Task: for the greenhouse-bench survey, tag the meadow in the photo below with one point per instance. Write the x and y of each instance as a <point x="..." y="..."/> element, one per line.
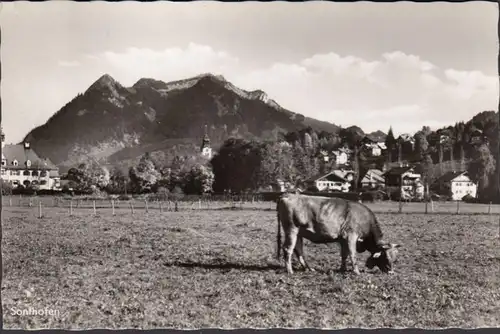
<point x="218" y="268"/>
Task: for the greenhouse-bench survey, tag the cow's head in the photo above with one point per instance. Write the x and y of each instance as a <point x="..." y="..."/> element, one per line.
<point x="384" y="258"/>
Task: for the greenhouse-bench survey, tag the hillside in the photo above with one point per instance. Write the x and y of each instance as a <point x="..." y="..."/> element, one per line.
<point x="113" y="123"/>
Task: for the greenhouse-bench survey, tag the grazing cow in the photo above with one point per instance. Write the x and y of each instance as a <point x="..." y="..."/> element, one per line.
<point x="329" y="220"/>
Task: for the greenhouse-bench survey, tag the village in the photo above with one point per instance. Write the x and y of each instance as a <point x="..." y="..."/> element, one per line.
<point x="21" y="166"/>
<point x="395" y="177"/>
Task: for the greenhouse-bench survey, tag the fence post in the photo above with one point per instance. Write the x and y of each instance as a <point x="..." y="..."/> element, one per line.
<point x="40" y="209"/>
<point x="489" y="208"/>
<point x="426" y="209"/>
<point x="400" y="206"/>
<point x="458" y="207"/>
<point x="199" y="204"/>
<point x="10" y="201"/>
<point x="30" y="203"/>
<point x="113" y="206"/>
<point x="146" y="203"/>
<point x="161" y="207"/>
<point x="71" y="207"/>
<point x="176" y="206"/>
<point x="93" y="204"/>
<point x="132" y="207"/>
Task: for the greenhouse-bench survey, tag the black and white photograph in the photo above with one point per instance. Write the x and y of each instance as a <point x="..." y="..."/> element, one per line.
<point x="256" y="165"/>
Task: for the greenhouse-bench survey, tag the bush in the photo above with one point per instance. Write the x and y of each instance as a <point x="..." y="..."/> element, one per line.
<point x="177" y="194"/>
<point x="6" y="188"/>
<point x="469" y="199"/>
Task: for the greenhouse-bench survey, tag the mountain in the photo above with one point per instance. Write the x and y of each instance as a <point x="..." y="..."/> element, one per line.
<point x="113" y="123"/>
<point x="378" y="136"/>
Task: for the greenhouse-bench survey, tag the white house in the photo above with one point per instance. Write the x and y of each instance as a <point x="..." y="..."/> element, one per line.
<point x="456" y="184"/>
<point x="21" y="166"/>
<point x="331" y="182"/>
<point x="340" y="157"/>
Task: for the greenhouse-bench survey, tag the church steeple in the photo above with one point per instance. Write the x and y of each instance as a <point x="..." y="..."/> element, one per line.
<point x="2" y="135"/>
<point x="206" y="150"/>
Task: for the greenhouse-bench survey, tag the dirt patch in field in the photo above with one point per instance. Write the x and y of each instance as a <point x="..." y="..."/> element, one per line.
<point x="218" y="269"/>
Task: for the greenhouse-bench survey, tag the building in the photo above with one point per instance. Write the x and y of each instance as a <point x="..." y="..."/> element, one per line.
<point x="340" y="157"/>
<point x="206" y="150"/>
<point x="407" y="138"/>
<point x="347" y="174"/>
<point x="330" y="182"/>
<point x="456" y="184"/>
<point x="405" y="181"/>
<point x="373" y="179"/>
<point x="21" y="166"/>
<point x="375" y="149"/>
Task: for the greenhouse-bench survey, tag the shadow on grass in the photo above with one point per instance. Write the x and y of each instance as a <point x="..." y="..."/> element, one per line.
<point x="223" y="266"/>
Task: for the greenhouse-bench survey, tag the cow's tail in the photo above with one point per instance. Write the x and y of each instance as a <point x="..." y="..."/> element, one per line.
<point x="278" y="237"/>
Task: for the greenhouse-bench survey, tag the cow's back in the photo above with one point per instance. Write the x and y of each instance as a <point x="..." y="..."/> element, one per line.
<point x="330" y="216"/>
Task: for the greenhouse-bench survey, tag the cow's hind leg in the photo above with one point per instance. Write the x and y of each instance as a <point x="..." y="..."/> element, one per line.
<point x="352" y="241"/>
<point x="289" y="246"/>
<point x="344" y="253"/>
<point x="299" y="251"/>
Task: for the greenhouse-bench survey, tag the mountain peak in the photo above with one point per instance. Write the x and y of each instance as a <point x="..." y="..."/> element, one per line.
<point x="149" y="82"/>
<point x="217" y="77"/>
<point x="105" y="81"/>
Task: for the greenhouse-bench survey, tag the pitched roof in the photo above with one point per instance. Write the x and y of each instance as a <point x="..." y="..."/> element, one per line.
<point x="22" y="155"/>
<point x="449" y="176"/>
<point x="329" y="177"/>
<point x="397" y="170"/>
<point x="376" y="176"/>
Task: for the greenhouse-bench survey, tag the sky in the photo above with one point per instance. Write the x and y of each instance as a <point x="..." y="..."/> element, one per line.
<point x="374" y="65"/>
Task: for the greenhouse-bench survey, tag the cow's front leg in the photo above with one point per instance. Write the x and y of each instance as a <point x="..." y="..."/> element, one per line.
<point x="352" y="240"/>
<point x="289" y="246"/>
<point x="344" y="252"/>
<point x="299" y="251"/>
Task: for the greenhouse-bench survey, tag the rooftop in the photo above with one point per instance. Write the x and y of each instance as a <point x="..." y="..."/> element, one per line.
<point x="22" y="155"/>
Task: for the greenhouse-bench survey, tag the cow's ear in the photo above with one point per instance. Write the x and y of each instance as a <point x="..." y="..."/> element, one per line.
<point x="376" y="255"/>
<point x="385" y="246"/>
<point x="395" y="245"/>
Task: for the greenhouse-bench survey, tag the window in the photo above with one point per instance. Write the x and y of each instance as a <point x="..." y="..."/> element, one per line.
<point x="16" y="173"/>
<point x="15" y="163"/>
<point x="43" y="182"/>
<point x="34" y="173"/>
<point x="26" y="173"/>
<point x="43" y="173"/>
<point x="4" y="162"/>
<point x="28" y="163"/>
<point x="3" y="172"/>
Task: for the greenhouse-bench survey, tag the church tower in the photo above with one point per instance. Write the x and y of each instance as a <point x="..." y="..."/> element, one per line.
<point x="206" y="150"/>
<point x="3" y="136"/>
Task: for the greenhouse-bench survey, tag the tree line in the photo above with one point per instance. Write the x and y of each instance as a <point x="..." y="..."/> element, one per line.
<point x="247" y="165"/>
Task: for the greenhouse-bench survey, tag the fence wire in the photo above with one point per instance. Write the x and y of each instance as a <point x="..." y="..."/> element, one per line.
<point x="72" y="206"/>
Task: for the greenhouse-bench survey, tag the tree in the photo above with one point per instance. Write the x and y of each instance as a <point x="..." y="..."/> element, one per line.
<point x="237" y="165"/>
<point x="118" y="181"/>
<point x="199" y="180"/>
<point x="481" y="168"/>
<point x="390" y="143"/>
<point x="144" y="176"/>
<point x="356" y="167"/>
<point x="421" y="145"/>
<point x="89" y="177"/>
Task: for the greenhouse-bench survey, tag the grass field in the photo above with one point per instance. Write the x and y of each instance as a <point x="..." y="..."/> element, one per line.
<point x="199" y="269"/>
